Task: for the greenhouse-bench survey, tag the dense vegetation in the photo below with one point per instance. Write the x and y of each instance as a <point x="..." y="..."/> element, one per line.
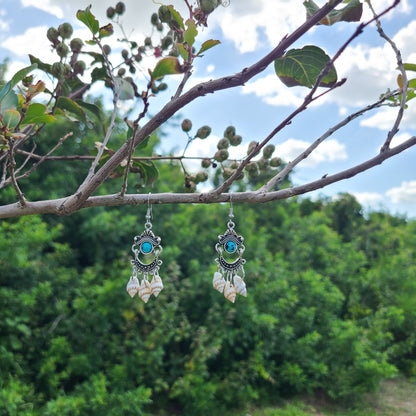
<point x="331" y="305"/>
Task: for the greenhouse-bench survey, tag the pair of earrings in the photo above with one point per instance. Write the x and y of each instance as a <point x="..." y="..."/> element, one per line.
<point x="228" y="279"/>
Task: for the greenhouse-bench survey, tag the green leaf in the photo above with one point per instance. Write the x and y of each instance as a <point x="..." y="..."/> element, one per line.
<point x="98" y="74"/>
<point x="409" y="67"/>
<point x="11" y="118"/>
<point x="411" y="91"/>
<point x="166" y="66"/>
<point x="17" y="77"/>
<point x="41" y="65"/>
<point x="86" y="17"/>
<point x="176" y="16"/>
<point x="36" y="113"/>
<point x="71" y="85"/>
<point x="5" y="90"/>
<point x="65" y="103"/>
<point x="147" y="170"/>
<point x="183" y="52"/>
<point x="303" y="66"/>
<point x="190" y="32"/>
<point x="92" y="108"/>
<point x="208" y="44"/>
<point x="105" y="31"/>
<point x="11" y="100"/>
<point x="98" y="57"/>
<point x="125" y="89"/>
<point x="352" y="12"/>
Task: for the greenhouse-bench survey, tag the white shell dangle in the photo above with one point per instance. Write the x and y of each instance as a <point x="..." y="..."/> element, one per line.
<point x="218" y="282"/>
<point x="133" y="286"/>
<point x="230" y="249"/>
<point x="144" y="291"/>
<point x="146" y="249"/>
<point x="156" y="285"/>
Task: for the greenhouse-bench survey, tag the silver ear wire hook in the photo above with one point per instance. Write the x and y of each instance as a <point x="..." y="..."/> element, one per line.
<point x="148" y="217"/>
<point x="231" y="215"/>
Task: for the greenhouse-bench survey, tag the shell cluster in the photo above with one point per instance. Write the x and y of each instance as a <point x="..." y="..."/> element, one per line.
<point x="230" y="286"/>
<point x="144" y="289"/>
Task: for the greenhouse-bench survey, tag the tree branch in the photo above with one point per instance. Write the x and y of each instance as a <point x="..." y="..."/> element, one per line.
<point x="405" y="87"/>
<point x="289" y="167"/>
<point x="52" y="206"/>
<point x="76" y="201"/>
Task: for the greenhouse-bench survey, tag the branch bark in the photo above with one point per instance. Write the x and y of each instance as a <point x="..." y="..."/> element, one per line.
<point x="259" y="196"/>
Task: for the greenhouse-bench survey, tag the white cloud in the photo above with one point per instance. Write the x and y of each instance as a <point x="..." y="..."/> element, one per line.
<point x="244" y="22"/>
<point x="369" y="198"/>
<point x="328" y="151"/>
<point x="399" y="139"/>
<point x="4" y="24"/>
<point x="384" y="118"/>
<point x="45" y="5"/>
<point x="135" y="21"/>
<point x="404" y="194"/>
<point x="380" y="5"/>
<point x="33" y="39"/>
<point x="273" y="92"/>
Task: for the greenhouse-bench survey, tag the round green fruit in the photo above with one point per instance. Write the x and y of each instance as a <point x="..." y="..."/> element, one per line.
<point x="203" y="132"/>
<point x="62" y="50"/>
<point x="206" y="163"/>
<point x="268" y="151"/>
<point x="120" y="7"/>
<point x="186" y="125"/>
<point x="221" y="155"/>
<point x="76" y="44"/>
<point x="223" y="144"/>
<point x="229" y="132"/>
<point x="235" y="140"/>
<point x="65" y="30"/>
<point x="52" y="34"/>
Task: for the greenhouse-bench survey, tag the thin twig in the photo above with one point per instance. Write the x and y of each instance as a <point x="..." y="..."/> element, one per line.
<point x="53" y="206"/>
<point x="308" y="99"/>
<point x="12" y="165"/>
<point x="46" y="156"/>
<point x="135" y="130"/>
<point x="28" y="157"/>
<point x="399" y="117"/>
<point x="289" y="167"/>
<point x="84" y="157"/>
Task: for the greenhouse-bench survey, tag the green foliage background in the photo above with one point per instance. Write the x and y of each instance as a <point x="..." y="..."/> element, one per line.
<point x="331" y="303"/>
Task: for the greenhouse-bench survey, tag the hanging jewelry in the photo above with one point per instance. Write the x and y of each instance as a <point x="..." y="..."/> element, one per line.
<point x="230" y="275"/>
<point x="146" y="249"/>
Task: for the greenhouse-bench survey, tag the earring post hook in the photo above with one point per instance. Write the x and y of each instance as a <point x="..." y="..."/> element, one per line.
<point x="231" y="215"/>
<point x="149" y="208"/>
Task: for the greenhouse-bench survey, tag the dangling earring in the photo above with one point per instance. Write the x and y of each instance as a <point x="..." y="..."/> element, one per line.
<point x="146" y="249"/>
<point x="230" y="275"/>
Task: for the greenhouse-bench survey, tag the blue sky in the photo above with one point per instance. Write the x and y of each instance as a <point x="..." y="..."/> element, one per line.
<point x="248" y="30"/>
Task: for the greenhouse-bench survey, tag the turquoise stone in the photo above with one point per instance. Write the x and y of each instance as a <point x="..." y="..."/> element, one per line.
<point x="230" y="247"/>
<point x="146" y="247"/>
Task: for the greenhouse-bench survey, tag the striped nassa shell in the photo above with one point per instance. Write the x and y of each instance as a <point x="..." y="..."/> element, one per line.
<point x="156" y="285"/>
<point x="218" y="282"/>
<point x="240" y="286"/>
<point x="229" y="292"/>
<point x="132" y="286"/>
<point x="144" y="290"/>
